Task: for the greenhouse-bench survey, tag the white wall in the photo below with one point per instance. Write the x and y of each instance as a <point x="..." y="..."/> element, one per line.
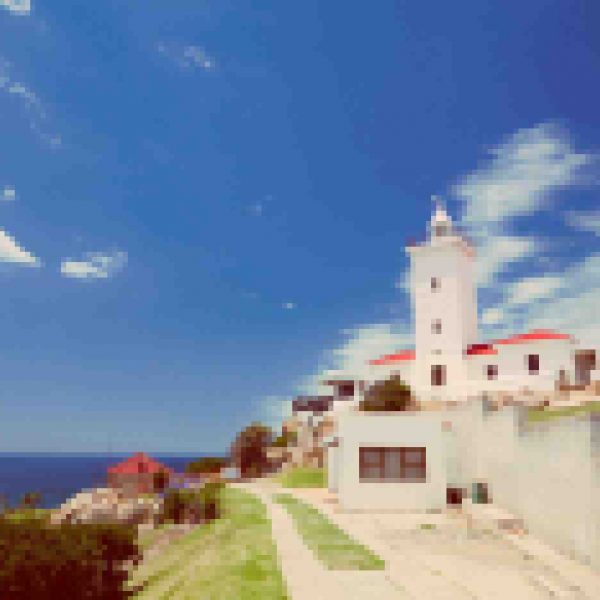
<point x="391" y="430"/>
<point x="546" y="473"/>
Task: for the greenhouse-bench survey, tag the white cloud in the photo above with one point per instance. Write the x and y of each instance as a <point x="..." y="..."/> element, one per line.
<point x="274" y="410"/>
<point x="360" y="345"/>
<point x="521" y="175"/>
<point x="187" y="57"/>
<point x="30" y="101"/>
<point x="12" y="252"/>
<point x="533" y="289"/>
<point x="17" y="7"/>
<point x="495" y="253"/>
<point x="8" y="193"/>
<point x="492" y="316"/>
<point x="584" y="221"/>
<point x="95" y="265"/>
<point x="289" y="305"/>
<point x="517" y="180"/>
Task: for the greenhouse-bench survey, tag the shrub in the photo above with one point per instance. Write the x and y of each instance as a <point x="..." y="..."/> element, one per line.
<point x="193" y="506"/>
<point x="160" y="481"/>
<point x="75" y="561"/>
<point x="287" y="438"/>
<point x="391" y="395"/>
<point x="206" y="465"/>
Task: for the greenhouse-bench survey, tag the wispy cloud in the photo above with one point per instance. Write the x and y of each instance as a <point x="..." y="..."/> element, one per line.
<point x="521" y="174"/>
<point x="8" y="193"/>
<point x="289" y="305"/>
<point x="17" y="7"/>
<point x="519" y="178"/>
<point x="94" y="265"/>
<point x="584" y="221"/>
<point x="31" y="103"/>
<point x="12" y="252"/>
<point x="187" y="57"/>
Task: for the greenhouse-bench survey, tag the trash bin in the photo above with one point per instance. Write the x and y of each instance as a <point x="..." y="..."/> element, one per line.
<point x="480" y="493"/>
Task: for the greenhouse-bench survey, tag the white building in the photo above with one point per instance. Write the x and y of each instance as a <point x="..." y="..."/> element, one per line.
<point x="449" y="361"/>
<point x="409" y="460"/>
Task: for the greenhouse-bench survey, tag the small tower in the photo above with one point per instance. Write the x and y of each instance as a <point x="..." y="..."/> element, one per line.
<point x="444" y="307"/>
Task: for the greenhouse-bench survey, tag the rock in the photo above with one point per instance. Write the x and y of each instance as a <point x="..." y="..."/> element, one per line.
<point x="106" y="505"/>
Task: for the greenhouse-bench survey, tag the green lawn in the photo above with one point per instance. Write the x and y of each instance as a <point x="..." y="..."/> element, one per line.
<point x="233" y="558"/>
<point x="332" y="546"/>
<point x="545" y="414"/>
<point x="304" y="477"/>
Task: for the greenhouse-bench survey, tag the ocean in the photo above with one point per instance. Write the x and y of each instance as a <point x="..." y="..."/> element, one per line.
<point x="58" y="476"/>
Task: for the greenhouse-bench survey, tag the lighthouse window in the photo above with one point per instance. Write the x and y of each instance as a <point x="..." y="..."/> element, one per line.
<point x="436" y="326"/>
<point x="438" y="375"/>
<point x="533" y="363"/>
<point x="492" y="371"/>
<point x="435" y="284"/>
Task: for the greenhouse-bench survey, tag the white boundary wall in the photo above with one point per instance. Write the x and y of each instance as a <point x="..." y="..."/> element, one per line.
<point x="547" y="473"/>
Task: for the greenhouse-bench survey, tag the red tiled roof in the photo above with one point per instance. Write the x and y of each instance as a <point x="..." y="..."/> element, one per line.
<point x="390" y="359"/>
<point x="534" y="335"/>
<point x="139" y="463"/>
<point x="478" y="349"/>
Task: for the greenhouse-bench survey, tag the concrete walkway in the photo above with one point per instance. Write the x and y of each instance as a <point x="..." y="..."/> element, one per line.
<point x="306" y="577"/>
<point x="452" y="558"/>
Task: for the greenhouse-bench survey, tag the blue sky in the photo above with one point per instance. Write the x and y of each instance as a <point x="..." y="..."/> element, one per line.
<point x="205" y="203"/>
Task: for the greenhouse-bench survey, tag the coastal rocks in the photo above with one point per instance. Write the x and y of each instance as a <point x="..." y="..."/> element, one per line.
<point x="107" y="505"/>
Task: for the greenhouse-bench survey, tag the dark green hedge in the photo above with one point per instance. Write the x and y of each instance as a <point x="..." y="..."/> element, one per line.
<point x="70" y="561"/>
<point x="193" y="506"/>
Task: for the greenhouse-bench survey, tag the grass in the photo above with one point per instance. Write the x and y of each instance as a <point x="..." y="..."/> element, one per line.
<point x="545" y="414"/>
<point x="233" y="558"/>
<point x="23" y="514"/>
<point x="332" y="546"/>
<point x="304" y="477"/>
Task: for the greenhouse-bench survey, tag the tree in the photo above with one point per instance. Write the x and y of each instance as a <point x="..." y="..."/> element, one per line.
<point x="160" y="481"/>
<point x="249" y="450"/>
<point x="30" y="500"/>
<point x="390" y="395"/>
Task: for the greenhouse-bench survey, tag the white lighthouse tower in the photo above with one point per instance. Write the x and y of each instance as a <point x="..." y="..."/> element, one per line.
<point x="444" y="300"/>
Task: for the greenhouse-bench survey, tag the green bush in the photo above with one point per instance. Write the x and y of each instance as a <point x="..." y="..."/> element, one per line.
<point x="74" y="561"/>
<point x="392" y="395"/>
<point x="206" y="465"/>
<point x="193" y="506"/>
<point x="287" y="438"/>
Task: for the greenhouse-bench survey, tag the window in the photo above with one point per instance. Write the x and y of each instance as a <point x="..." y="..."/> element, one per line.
<point x="436" y="326"/>
<point x="533" y="363"/>
<point x="346" y="389"/>
<point x="392" y="464"/>
<point x="438" y="375"/>
<point x="435" y="284"/>
<point x="492" y="371"/>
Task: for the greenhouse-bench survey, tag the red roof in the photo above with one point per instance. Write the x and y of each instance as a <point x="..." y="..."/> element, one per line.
<point x="477" y="349"/>
<point x="390" y="359"/>
<point x="139" y="463"/>
<point x="534" y="335"/>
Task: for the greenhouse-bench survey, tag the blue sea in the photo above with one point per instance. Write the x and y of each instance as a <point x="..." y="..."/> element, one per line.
<point x="58" y="476"/>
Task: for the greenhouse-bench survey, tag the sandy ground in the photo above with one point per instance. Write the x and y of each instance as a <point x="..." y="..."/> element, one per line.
<point x="445" y="555"/>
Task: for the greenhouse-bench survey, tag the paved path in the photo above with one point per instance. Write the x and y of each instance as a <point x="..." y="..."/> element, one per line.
<point x="306" y="577"/>
<point x="452" y="560"/>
